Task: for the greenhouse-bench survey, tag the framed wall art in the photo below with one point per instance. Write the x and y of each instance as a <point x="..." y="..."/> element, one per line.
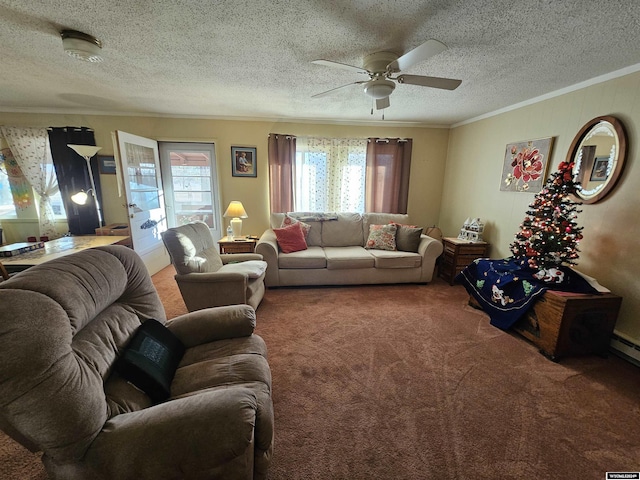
<point x="244" y="162"/>
<point x="107" y="164"/>
<point x="525" y="165"/>
<point x="599" y="171"/>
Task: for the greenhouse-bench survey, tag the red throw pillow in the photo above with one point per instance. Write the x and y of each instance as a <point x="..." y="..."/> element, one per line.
<point x="291" y="238"/>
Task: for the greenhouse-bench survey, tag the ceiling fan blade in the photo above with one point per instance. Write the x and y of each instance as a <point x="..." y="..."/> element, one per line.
<point x="322" y="94"/>
<point x="382" y="103"/>
<point x="343" y="66"/>
<point x="433" y="82"/>
<point x="426" y="50"/>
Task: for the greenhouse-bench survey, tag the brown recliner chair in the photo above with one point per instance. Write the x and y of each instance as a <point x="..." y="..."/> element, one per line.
<point x="64" y="325"/>
<point x="207" y="278"/>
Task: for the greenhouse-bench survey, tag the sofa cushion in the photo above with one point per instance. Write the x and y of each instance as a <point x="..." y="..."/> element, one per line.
<point x="348" y="258"/>
<point x="291" y="238"/>
<point x="344" y="232"/>
<point x="397" y="259"/>
<point x="312" y="257"/>
<point x="251" y="268"/>
<point x="150" y="359"/>
<point x="288" y="220"/>
<point x="382" y="237"/>
<point x="408" y="238"/>
<point x="314" y="237"/>
<point x="373" y="218"/>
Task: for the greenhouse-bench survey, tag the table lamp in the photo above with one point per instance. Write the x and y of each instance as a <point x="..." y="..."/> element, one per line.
<point x="86" y="152"/>
<point x="236" y="211"/>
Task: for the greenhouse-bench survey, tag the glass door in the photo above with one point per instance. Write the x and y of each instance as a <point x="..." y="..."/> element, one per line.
<point x="190" y="184"/>
<point x="145" y="197"/>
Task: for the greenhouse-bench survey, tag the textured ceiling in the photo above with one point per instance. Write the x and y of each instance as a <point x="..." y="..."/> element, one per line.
<point x="252" y="58"/>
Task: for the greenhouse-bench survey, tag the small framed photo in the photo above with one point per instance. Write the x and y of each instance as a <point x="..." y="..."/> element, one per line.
<point x="243" y="162"/>
<point x="107" y="164"/>
<point x="599" y="171"/>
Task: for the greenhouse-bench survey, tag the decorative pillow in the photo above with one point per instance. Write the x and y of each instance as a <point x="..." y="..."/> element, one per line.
<point x="150" y="360"/>
<point x="382" y="237"/>
<point x="408" y="238"/>
<point x="290" y="221"/>
<point x="290" y="239"/>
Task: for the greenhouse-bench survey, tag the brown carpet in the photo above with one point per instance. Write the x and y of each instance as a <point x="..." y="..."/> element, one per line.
<point x="408" y="382"/>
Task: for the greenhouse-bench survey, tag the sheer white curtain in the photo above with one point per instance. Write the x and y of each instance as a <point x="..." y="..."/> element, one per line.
<point x="330" y="174"/>
<point x="30" y="148"/>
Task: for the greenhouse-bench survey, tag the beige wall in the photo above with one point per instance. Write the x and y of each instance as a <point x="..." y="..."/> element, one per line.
<point x="427" y="169"/>
<point x="609" y="250"/>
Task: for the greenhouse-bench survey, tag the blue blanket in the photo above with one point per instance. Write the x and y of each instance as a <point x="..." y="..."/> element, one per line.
<point x="506" y="289"/>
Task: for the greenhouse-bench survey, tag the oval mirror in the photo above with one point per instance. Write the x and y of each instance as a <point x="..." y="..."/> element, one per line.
<point x="598" y="152"/>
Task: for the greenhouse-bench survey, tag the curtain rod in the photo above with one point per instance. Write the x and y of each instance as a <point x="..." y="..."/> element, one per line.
<point x="386" y="140"/>
<point x="75" y="129"/>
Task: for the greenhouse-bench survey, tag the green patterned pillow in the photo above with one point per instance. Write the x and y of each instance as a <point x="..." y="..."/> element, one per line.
<point x="381" y="237"/>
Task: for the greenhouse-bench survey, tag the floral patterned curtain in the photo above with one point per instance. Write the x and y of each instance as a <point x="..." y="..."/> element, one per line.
<point x="330" y="174"/>
<point x="30" y="147"/>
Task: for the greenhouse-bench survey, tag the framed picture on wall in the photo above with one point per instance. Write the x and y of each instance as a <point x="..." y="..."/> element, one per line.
<point x="525" y="165"/>
<point x="599" y="171"/>
<point x="107" y="164"/>
<point x="244" y="162"/>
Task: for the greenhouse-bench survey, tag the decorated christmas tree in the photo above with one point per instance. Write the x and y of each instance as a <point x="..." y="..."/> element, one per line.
<point x="549" y="234"/>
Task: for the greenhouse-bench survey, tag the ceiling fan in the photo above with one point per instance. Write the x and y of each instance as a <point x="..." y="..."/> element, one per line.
<point x="381" y="66"/>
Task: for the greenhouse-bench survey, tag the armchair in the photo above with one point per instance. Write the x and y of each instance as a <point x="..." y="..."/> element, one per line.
<point x="207" y="278"/>
<point x="64" y="324"/>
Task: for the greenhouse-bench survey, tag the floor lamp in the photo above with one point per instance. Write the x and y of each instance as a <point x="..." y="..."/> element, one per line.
<point x="86" y="152"/>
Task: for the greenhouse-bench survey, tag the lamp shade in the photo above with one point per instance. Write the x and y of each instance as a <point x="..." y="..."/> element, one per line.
<point x="235" y="210"/>
<point x="379" y="88"/>
<point x="85" y="151"/>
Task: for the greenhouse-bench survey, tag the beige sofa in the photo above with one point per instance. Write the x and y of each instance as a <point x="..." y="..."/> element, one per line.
<point x="336" y="254"/>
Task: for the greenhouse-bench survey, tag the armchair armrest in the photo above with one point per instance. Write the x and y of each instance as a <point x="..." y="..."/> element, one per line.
<point x="189" y="437"/>
<point x="211" y="324"/>
<point x="239" y="257"/>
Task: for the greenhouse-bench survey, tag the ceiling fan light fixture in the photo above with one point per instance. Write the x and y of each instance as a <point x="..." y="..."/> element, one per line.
<point x="81" y="46"/>
<point x="379" y="88"/>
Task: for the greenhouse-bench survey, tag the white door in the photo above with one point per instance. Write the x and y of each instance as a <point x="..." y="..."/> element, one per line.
<point x="191" y="184"/>
<point x="142" y="183"/>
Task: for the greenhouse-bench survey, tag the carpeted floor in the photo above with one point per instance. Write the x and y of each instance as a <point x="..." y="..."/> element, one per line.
<point x="408" y="382"/>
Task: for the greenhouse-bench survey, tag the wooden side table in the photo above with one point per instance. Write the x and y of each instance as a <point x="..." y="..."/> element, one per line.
<point x="457" y="255"/>
<point x="563" y="323"/>
<point x="241" y="245"/>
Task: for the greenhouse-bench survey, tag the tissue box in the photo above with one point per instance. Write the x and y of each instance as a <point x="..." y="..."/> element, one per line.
<point x="114" y="229"/>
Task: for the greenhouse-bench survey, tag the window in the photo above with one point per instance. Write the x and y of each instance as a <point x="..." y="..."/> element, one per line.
<point x="7" y="208"/>
<point x="330" y="174"/>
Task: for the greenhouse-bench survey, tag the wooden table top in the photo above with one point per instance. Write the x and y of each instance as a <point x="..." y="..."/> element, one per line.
<point x="59" y="248"/>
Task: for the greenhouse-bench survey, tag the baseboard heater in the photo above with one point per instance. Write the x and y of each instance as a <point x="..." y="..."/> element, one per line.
<point x="626" y="348"/>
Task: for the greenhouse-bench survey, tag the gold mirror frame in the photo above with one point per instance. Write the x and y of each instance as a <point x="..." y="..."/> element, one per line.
<point x="598" y="152"/>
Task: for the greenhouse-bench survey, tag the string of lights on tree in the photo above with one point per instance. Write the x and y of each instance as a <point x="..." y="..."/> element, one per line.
<point x="549" y="234"/>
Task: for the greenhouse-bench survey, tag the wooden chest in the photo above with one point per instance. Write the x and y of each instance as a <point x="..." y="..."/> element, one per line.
<point x="563" y="323"/>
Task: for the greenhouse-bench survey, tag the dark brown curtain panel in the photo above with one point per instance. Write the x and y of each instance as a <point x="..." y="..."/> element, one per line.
<point x="387" y="175"/>
<point x="73" y="176"/>
<point x="282" y="161"/>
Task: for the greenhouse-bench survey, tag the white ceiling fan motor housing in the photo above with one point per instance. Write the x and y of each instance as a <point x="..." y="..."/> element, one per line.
<point x="376" y="63"/>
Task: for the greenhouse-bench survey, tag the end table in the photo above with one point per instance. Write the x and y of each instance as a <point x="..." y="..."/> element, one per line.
<point x="457" y="255"/>
<point x="237" y="245"/>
